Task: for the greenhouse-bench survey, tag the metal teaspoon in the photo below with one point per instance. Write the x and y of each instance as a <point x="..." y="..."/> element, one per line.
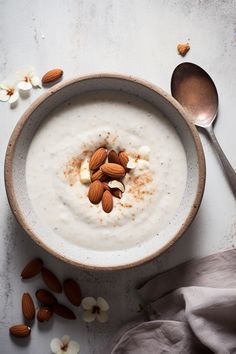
<point x="194" y="89"/>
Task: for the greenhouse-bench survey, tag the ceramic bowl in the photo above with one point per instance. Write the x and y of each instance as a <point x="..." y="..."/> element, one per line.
<point x="16" y="159"/>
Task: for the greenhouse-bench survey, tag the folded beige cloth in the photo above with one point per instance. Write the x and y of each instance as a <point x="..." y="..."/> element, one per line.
<point x="191" y="309"/>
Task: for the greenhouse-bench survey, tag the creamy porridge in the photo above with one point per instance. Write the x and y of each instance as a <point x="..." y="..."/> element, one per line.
<point x="70" y="134"/>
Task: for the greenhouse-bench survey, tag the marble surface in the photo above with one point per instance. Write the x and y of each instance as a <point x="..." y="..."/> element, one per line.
<point x="136" y="37"/>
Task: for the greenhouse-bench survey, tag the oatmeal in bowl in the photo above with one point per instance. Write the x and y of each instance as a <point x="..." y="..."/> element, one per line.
<point x="114" y="173"/>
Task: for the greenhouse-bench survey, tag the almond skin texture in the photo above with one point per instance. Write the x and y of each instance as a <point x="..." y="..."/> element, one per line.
<point x="63" y="311"/>
<point x="97" y="159"/>
<point x="116" y="193"/>
<point x="45" y="297"/>
<point x="51" y="76"/>
<point x="32" y="268"/>
<point x="44" y="314"/>
<point x="72" y="291"/>
<point x="51" y="280"/>
<point x="95" y="192"/>
<point x="124" y="159"/>
<point x="107" y="202"/>
<point x="28" y="308"/>
<point x="97" y="175"/>
<point x="113" y="157"/>
<point x="113" y="170"/>
<point x="20" y="330"/>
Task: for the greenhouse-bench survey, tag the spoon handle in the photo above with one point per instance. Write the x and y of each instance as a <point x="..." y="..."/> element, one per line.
<point x="228" y="169"/>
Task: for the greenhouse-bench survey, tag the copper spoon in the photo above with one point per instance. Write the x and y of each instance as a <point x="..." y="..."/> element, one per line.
<point x="194" y="89"/>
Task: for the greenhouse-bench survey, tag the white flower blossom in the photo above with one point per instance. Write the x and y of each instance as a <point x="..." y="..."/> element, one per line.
<point x="8" y="92"/>
<point x="64" y="345"/>
<point x="95" y="309"/>
<point x="27" y="79"/>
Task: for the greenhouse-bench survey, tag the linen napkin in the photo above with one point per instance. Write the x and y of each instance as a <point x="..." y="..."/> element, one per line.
<point x="191" y="309"/>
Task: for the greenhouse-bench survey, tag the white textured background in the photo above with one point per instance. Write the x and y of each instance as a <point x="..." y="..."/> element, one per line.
<point x="136" y="37"/>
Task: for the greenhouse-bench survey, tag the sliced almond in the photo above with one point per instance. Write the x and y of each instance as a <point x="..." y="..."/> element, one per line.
<point x="116" y="184"/>
<point x="113" y="170"/>
<point x="97" y="159"/>
<point x="95" y="193"/>
<point x="116" y="193"/>
<point x="124" y="159"/>
<point x="132" y="163"/>
<point x="113" y="157"/>
<point x="85" y="172"/>
<point x="107" y="202"/>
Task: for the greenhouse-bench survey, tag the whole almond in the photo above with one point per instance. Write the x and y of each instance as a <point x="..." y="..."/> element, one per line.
<point x="72" y="291"/>
<point x="113" y="170"/>
<point x="95" y="192"/>
<point x="116" y="193"/>
<point x="97" y="175"/>
<point x="107" y="202"/>
<point x="20" y="330"/>
<point x="113" y="157"/>
<point x="32" y="268"/>
<point x="44" y="314"/>
<point x="45" y="297"/>
<point x="98" y="158"/>
<point x="28" y="308"/>
<point x="51" y="280"/>
<point x="106" y="187"/>
<point x="64" y="311"/>
<point x="51" y="76"/>
<point x="124" y="159"/>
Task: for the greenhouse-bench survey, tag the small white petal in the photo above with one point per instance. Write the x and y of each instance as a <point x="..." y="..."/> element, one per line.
<point x="88" y="303"/>
<point x="102" y="316"/>
<point x="13" y="98"/>
<point x="144" y="152"/>
<point x="24" y="86"/>
<point x="4" y="96"/>
<point x="132" y="163"/>
<point x="103" y="304"/>
<point x="88" y="316"/>
<point x="73" y="347"/>
<point x="143" y="164"/>
<point x="65" y="339"/>
<point x="56" y="345"/>
<point x="35" y="81"/>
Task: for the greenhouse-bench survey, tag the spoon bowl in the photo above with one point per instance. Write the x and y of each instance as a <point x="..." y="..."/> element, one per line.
<point x="195" y="90"/>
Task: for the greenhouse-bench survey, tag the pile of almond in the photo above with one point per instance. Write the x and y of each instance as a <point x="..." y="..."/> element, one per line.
<point x="48" y="304"/>
<point x="105" y="172"/>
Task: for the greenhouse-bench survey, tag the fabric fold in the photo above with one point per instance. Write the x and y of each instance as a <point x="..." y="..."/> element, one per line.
<point x="191" y="309"/>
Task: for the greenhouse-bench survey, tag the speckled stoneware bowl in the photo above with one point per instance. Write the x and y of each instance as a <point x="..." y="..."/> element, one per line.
<point x="16" y="184"/>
